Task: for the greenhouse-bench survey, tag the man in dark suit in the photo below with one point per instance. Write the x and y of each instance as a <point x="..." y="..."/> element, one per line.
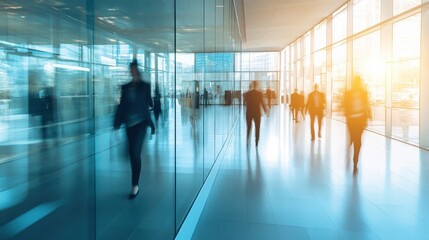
<point x="254" y="101"/>
<point x="133" y="111"/>
<point x="294" y="104"/>
<point x="316" y="106"/>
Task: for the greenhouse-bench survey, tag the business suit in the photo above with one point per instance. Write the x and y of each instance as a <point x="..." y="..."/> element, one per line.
<point x="254" y="101"/>
<point x="294" y="105"/>
<point x="315" y="106"/>
<point x="133" y="111"/>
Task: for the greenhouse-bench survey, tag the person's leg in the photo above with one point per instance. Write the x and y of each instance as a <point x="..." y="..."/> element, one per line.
<point x="257" y="127"/>
<point x="357" y="145"/>
<point x="249" y="125"/>
<point x="319" y="123"/>
<point x="135" y="136"/>
<point x="312" y="116"/>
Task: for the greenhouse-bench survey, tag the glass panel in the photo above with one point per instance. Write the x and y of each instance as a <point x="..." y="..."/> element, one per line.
<point x="152" y="213"/>
<point x="339" y="68"/>
<point x="406" y="79"/>
<point x="320" y="36"/>
<point x="368" y="64"/>
<point x="44" y="104"/>
<point x="405" y="122"/>
<point x="366" y="13"/>
<point x="339" y="25"/>
<point x="400" y="6"/>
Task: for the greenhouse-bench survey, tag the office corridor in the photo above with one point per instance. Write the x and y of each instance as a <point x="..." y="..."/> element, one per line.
<point x="292" y="188"/>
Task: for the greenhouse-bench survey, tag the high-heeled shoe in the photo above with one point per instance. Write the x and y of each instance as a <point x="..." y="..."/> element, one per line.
<point x="133" y="195"/>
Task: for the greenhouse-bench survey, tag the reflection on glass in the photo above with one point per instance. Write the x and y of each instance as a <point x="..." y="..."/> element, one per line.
<point x="405" y="123"/>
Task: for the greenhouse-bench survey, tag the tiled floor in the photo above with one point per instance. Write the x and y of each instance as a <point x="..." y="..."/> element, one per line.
<point x="292" y="188"/>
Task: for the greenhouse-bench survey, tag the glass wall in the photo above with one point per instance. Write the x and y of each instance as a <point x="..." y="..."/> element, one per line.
<point x="386" y="53"/>
<point x="62" y="65"/>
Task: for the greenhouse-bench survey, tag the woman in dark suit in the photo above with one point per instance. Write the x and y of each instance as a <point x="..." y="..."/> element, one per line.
<point x="133" y="111"/>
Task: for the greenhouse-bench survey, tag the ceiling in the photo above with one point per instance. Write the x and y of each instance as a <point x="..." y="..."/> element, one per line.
<point x="266" y="25"/>
<point x="273" y="24"/>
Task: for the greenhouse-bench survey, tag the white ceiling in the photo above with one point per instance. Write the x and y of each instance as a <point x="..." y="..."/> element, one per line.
<point x="270" y="25"/>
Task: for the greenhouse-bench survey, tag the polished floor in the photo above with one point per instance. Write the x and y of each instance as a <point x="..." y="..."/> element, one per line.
<point x="287" y="188"/>
<point x="290" y="187"/>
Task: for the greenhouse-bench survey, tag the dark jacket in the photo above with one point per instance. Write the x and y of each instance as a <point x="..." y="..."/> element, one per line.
<point x="314" y="106"/>
<point x="134" y="104"/>
<point x="357" y="107"/>
<point x="254" y="102"/>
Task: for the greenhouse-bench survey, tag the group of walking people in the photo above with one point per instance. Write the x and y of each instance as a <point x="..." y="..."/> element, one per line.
<point x="356" y="107"/>
<point x="136" y="102"/>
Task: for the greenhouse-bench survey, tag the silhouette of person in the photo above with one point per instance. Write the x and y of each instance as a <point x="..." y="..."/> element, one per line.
<point x="268" y="93"/>
<point x="357" y="111"/>
<point x="133" y="111"/>
<point x="157" y="103"/>
<point x="294" y="104"/>
<point x="47" y="102"/>
<point x="315" y="106"/>
<point x="206" y="97"/>
<point x="254" y="101"/>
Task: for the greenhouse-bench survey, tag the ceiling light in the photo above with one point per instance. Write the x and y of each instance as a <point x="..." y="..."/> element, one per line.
<point x="219" y="6"/>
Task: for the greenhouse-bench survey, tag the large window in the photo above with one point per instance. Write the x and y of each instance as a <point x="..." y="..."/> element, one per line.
<point x="339" y="71"/>
<point x="406" y="79"/>
<point x="366" y="13"/>
<point x="400" y="6"/>
<point x="339" y="24"/>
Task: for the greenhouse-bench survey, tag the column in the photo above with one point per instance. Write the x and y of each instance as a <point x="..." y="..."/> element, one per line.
<point x="424" y="77"/>
<point x="386" y="54"/>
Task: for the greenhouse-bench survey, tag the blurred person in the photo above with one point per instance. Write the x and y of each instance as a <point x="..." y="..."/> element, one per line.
<point x="206" y="97"/>
<point x="47" y="105"/>
<point x="254" y="100"/>
<point x="294" y="104"/>
<point x="268" y="93"/>
<point x="157" y="103"/>
<point x="357" y="111"/>
<point x="315" y="107"/>
<point x="133" y="111"/>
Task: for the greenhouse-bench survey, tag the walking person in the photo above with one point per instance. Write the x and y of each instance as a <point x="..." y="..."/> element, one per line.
<point x="157" y="103"/>
<point x="294" y="104"/>
<point x="268" y="93"/>
<point x="133" y="111"/>
<point x="357" y="111"/>
<point x="315" y="107"/>
<point x="254" y="101"/>
<point x="206" y="97"/>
